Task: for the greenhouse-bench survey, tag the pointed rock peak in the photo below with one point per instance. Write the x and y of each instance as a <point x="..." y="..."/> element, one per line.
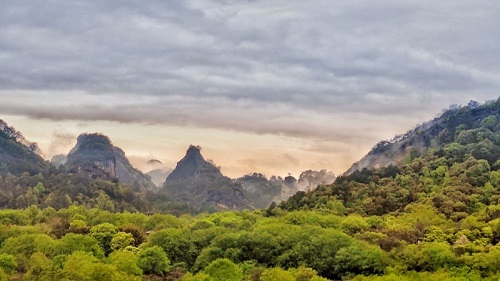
<point x="193" y="157"/>
<point x="193" y="165"/>
<point x="194" y="150"/>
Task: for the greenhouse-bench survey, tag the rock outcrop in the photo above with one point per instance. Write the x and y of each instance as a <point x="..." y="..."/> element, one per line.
<point x="94" y="154"/>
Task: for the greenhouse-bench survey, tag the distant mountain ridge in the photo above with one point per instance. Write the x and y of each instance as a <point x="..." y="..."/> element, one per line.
<point x="435" y="134"/>
<point x="195" y="185"/>
<point x="262" y="192"/>
<point x="200" y="183"/>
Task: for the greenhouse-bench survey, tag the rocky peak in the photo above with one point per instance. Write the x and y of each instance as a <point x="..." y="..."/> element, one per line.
<point x="95" y="154"/>
<point x="99" y="145"/>
<point x="93" y="151"/>
<point x="200" y="183"/>
<point x="192" y="165"/>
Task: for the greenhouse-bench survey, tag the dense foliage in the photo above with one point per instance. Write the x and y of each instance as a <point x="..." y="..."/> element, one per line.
<point x="417" y="243"/>
<point x="16" y="158"/>
<point x="58" y="189"/>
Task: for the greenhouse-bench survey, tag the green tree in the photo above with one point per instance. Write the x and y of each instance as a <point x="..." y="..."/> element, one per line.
<point x="224" y="270"/>
<point x="72" y="242"/>
<point x="360" y="258"/>
<point x="126" y="262"/>
<point x="353" y="224"/>
<point x="153" y="260"/>
<point x="104" y="233"/>
<point x="39" y="189"/>
<point x="8" y="263"/>
<point x="121" y="240"/>
<point x="177" y="243"/>
<point x="276" y="274"/>
<point x="41" y="268"/>
<point x="79" y="266"/>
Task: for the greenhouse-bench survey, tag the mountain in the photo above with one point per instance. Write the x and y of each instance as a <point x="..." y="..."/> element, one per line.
<point x="18" y="155"/>
<point x="450" y="164"/>
<point x="200" y="183"/>
<point x="94" y="154"/>
<point x="472" y="125"/>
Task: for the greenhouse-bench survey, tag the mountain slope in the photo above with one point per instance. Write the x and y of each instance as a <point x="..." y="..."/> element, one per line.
<point x="94" y="154"/>
<point x="451" y="164"/>
<point x="18" y="155"/>
<point x="468" y="125"/>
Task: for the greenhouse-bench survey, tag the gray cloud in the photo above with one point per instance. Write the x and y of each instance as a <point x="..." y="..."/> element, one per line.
<point x="299" y="68"/>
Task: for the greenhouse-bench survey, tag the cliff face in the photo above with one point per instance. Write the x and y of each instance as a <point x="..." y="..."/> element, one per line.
<point x="199" y="182"/>
<point x="126" y="173"/>
<point x="95" y="155"/>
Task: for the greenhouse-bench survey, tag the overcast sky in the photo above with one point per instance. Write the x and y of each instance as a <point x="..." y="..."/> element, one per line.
<point x="272" y="86"/>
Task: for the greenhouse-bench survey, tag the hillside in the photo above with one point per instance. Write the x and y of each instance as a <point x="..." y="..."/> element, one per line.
<point x="451" y="162"/>
<point x="469" y="128"/>
<point x="18" y="155"/>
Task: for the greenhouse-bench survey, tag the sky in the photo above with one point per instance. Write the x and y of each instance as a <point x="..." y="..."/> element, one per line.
<point x="270" y="86"/>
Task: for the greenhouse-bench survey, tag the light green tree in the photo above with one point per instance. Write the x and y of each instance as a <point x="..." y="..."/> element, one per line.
<point x="104" y="233"/>
<point x="153" y="260"/>
<point x="121" y="240"/>
<point x="276" y="274"/>
<point x="224" y="270"/>
<point x="126" y="261"/>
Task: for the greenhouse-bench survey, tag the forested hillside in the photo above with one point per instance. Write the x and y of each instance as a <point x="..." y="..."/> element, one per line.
<point x="471" y="128"/>
<point x="17" y="155"/>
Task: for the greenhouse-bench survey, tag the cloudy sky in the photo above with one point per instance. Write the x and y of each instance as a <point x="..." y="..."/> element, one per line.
<point x="274" y="86"/>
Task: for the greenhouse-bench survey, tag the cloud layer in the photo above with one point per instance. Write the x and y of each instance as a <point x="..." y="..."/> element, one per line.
<point x="337" y="71"/>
